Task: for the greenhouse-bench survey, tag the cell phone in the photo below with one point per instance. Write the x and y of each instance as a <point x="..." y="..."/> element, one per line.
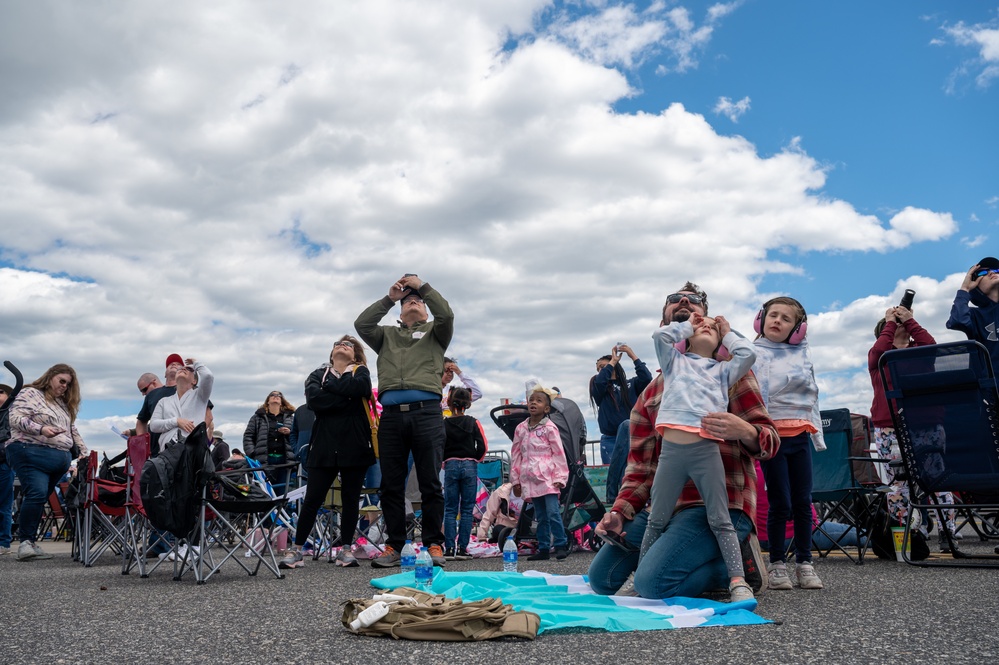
<point x="617" y="540"/>
<point x="410" y="274"/>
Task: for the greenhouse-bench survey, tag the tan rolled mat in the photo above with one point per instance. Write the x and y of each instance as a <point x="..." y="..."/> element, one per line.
<point x="434" y="617"/>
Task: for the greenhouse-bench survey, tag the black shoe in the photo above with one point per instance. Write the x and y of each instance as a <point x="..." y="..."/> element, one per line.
<point x="462" y="554"/>
<point x="449" y="554"/>
<point x="540" y="555"/>
<point x="561" y="553"/>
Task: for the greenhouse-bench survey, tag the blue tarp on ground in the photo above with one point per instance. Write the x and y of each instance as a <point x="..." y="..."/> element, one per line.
<point x="566" y="601"/>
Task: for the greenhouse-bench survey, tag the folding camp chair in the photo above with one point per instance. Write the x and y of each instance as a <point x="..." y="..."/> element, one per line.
<point x="845" y="484"/>
<point x="943" y="402"/>
<point x="225" y="497"/>
<point x="55" y="524"/>
<point x="102" y="520"/>
<point x="140" y="535"/>
<point x="327" y="532"/>
<point x="493" y="471"/>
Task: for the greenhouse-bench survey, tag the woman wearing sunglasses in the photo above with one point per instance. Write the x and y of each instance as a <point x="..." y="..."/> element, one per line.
<point x="981" y="322"/>
<point x="266" y="438"/>
<point x="340" y="394"/>
<point x="43" y="437"/>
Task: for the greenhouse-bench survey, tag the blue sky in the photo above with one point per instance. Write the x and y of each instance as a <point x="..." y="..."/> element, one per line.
<point x="237" y="183"/>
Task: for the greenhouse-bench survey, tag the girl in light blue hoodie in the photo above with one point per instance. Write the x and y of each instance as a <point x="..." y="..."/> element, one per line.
<point x="787" y="382"/>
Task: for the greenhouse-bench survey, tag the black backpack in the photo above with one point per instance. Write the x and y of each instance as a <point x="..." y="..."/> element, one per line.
<point x="882" y="542"/>
<point x="171" y="483"/>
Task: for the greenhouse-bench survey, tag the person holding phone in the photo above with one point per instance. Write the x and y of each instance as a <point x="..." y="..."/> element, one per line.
<point x="267" y="437"/>
<point x="612" y="394"/>
<point x="981" y="322"/>
<point x="43" y="442"/>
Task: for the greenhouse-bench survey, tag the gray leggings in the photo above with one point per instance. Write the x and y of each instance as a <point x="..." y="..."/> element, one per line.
<point x="702" y="463"/>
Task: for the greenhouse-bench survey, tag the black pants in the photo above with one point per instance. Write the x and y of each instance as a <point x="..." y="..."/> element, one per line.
<point x="422" y="434"/>
<point x="320" y="482"/>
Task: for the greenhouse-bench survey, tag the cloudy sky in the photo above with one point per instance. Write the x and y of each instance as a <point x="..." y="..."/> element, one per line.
<point x="236" y="181"/>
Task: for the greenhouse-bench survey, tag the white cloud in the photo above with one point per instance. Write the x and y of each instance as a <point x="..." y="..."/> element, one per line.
<point x="984" y="38"/>
<point x="619" y="34"/>
<point x="732" y="110"/>
<point x="256" y="176"/>
<point x="974" y="242"/>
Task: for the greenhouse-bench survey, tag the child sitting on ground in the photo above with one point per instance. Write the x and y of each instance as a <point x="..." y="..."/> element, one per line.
<point x="695" y="384"/>
<point x="539" y="470"/>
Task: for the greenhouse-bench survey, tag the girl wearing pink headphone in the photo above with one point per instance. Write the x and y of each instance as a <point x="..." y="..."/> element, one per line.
<point x="787" y="382"/>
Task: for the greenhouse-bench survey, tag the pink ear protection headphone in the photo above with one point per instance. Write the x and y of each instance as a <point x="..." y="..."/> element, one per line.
<point x="797" y="335"/>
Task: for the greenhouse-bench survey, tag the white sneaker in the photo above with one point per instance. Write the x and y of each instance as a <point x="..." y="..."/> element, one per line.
<point x="740" y="591"/>
<point x="777" y="577"/>
<point x="40" y="554"/>
<point x="26" y="551"/>
<point x="628" y="588"/>
<point x="807" y="579"/>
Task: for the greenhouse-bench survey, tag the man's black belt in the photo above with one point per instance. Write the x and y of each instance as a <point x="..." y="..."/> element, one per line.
<point x="412" y="406"/>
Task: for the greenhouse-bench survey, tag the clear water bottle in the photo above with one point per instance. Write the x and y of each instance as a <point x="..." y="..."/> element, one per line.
<point x="510" y="556"/>
<point x="408" y="558"/>
<point x="424" y="570"/>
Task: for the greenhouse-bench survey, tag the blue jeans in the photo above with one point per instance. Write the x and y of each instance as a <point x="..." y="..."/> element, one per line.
<point x="684" y="561"/>
<point x="619" y="460"/>
<point x="607" y="447"/>
<point x="421" y="433"/>
<point x="460" y="483"/>
<point x="39" y="468"/>
<point x="789" y="489"/>
<point x="6" y="503"/>
<point x="548" y="512"/>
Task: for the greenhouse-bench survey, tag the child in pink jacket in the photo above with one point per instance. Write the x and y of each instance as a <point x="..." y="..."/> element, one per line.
<point x="539" y="470"/>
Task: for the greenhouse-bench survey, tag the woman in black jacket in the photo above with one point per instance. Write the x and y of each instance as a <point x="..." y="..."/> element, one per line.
<point x="339" y="394"/>
<point x="265" y="438"/>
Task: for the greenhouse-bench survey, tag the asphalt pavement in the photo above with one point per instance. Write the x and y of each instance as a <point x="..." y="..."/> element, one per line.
<point x="57" y="611"/>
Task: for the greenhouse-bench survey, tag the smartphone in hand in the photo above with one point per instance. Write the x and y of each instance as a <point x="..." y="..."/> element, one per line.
<point x="617" y="540"/>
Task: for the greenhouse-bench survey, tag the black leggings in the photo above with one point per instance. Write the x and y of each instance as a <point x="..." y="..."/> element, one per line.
<point x="320" y="481"/>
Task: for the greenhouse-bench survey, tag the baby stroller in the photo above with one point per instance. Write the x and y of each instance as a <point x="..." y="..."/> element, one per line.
<point x="580" y="504"/>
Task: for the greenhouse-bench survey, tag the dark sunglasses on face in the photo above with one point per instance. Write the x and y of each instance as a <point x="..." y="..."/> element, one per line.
<point x="344" y="342"/>
<point x="145" y="390"/>
<point x="674" y="298"/>
<point x="986" y="271"/>
<point x="275" y="394"/>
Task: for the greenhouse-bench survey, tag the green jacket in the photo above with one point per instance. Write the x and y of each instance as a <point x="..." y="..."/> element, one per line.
<point x="409" y="358"/>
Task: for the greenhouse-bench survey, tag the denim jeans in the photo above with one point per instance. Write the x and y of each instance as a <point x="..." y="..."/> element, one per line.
<point x="684" y="561"/>
<point x="548" y="512"/>
<point x="461" y="477"/>
<point x="619" y="460"/>
<point x="789" y="489"/>
<point x="607" y="447"/>
<point x="39" y="468"/>
<point x="422" y="434"/>
<point x="6" y="503"/>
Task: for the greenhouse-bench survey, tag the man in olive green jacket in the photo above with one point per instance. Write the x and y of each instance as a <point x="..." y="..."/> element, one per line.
<point x="410" y="365"/>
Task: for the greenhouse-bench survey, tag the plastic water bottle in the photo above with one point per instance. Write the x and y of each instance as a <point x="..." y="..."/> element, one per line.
<point x="408" y="557"/>
<point x="424" y="570"/>
<point x="510" y="556"/>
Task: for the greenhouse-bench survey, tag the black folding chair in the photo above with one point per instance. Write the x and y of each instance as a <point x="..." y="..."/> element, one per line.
<point x="943" y="401"/>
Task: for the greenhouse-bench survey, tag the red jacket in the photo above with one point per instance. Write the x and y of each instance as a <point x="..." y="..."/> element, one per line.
<point x="880" y="415"/>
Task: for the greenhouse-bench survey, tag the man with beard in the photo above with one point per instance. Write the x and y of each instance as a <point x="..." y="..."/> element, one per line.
<point x="685" y="560"/>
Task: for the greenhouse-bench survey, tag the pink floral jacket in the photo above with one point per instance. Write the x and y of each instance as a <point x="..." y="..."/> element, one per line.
<point x="538" y="459"/>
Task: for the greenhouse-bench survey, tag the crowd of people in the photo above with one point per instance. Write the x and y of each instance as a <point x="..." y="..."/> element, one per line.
<point x="683" y="446"/>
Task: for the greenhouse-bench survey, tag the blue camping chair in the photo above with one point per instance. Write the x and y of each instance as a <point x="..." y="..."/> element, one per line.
<point x="943" y="402"/>
<point x="845" y="484"/>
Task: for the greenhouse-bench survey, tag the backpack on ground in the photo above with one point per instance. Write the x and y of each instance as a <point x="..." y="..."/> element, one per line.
<point x="415" y="615"/>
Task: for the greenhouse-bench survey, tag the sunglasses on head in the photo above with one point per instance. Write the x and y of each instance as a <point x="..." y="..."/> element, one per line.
<point x="674" y="298"/>
<point x="985" y="271"/>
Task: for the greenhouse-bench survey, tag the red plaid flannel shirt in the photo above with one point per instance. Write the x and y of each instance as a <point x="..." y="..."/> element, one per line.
<point x="746" y="402"/>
